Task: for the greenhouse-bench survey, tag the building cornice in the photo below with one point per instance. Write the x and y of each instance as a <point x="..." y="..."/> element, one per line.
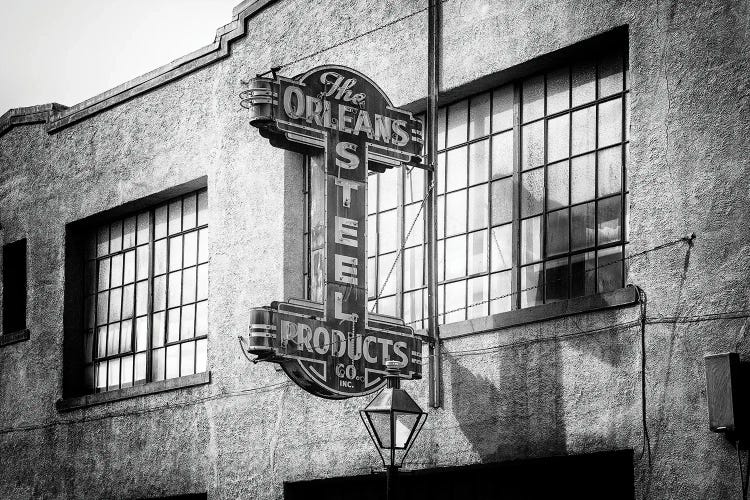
<point x="56" y="116"/>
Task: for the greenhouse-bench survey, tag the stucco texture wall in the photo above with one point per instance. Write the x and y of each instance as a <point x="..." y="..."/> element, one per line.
<point x="523" y="392"/>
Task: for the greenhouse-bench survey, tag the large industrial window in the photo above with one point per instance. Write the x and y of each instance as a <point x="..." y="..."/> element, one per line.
<point x="532" y="200"/>
<point x="146" y="295"/>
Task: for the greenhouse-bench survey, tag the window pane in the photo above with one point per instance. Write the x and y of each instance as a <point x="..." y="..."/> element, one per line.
<point x="477" y="294"/>
<point x="478" y="207"/>
<point x="203" y="208"/>
<point x="532" y="192"/>
<point x="157" y="364"/>
<point x="609" y="216"/>
<point x="174" y="289"/>
<point x="532" y="99"/>
<point x="582" y="180"/>
<point x="502" y="108"/>
<point x="455" y="257"/>
<point x="189" y="212"/>
<point x="558" y="137"/>
<point x="141" y="331"/>
<point x="556" y="279"/>
<point x="414" y="183"/>
<point x="102" y="308"/>
<point x="202" y="285"/>
<point x="160" y="222"/>
<point x="101" y="342"/>
<point x="609" y="270"/>
<point x="175" y="217"/>
<point x="187" y="359"/>
<point x="610" y="75"/>
<point x="115" y="236"/>
<point x="582" y="268"/>
<point x="455" y="221"/>
<point x="610" y="171"/>
<point x="160" y="293"/>
<point x="158" y="328"/>
<point x="202" y="246"/>
<point x="143" y="228"/>
<point x="188" y="284"/>
<point x="413" y="308"/>
<point x="558" y="90"/>
<point x="479" y="160"/>
<point x="502" y="154"/>
<point x="140" y="367"/>
<point x="455" y="301"/>
<point x="101" y="376"/>
<point x="610" y="122"/>
<point x="582" y="230"/>
<point x="173" y="325"/>
<point x="160" y="257"/>
<point x="187" y="325"/>
<point x="457" y="117"/>
<point x="372" y="235"/>
<point x="126" y="336"/>
<point x="127" y="371"/>
<point x="104" y="274"/>
<point x="190" y="249"/>
<point x="387" y="305"/>
<point x="388" y="232"/>
<point x="502" y="201"/>
<point x="385" y="263"/>
<point x="502" y="241"/>
<point x="129" y="271"/>
<point x="557" y="232"/>
<point x="500" y="292"/>
<point x="128" y="237"/>
<point x="113" y="373"/>
<point x="479" y="116"/>
<point x="141" y="298"/>
<point x="531" y="285"/>
<point x="201" y="319"/>
<point x="441" y="216"/>
<point x="201" y="356"/>
<point x="532" y="143"/>
<point x="583" y="130"/>
<point x="531" y="239"/>
<point x="175" y="253"/>
<point x="388" y="189"/>
<point x="441" y="260"/>
<point x="372" y="193"/>
<point x="478" y="252"/>
<point x="102" y="241"/>
<point x="557" y="185"/>
<point x="414" y="223"/>
<point x="584" y="76"/>
<point x="116" y="271"/>
<point x="115" y="298"/>
<point x="413" y="268"/>
<point x="113" y="339"/>
<point x="456" y="170"/>
<point x="128" y="299"/>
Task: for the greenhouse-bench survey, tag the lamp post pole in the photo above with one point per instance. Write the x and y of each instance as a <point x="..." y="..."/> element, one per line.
<point x="391" y="470"/>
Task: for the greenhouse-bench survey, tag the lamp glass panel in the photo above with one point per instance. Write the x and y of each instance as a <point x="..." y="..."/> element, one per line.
<point x="381" y="426"/>
<point x="405" y="423"/>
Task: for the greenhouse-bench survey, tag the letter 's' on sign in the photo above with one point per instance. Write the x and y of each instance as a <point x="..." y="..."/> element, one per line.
<point x="336" y="349"/>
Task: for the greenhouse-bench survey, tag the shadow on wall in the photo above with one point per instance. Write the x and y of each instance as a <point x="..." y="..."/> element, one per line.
<point x="509" y="404"/>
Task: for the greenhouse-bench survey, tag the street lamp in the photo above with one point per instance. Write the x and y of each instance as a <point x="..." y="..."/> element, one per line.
<point x="393" y="420"/>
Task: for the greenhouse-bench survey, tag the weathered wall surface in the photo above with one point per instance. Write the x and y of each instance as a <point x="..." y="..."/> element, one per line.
<point x="539" y="394"/>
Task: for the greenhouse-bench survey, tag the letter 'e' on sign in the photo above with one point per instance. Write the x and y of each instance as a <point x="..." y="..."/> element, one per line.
<point x="336" y="349"/>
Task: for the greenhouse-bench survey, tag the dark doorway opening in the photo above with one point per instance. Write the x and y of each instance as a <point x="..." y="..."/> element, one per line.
<point x="593" y="476"/>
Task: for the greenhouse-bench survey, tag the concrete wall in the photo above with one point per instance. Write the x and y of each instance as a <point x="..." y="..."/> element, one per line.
<point x="539" y="394"/>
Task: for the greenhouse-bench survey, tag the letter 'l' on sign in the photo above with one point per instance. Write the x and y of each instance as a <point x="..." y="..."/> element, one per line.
<point x="336" y="349"/>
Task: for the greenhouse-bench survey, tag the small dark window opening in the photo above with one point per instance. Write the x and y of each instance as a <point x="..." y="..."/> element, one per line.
<point x="14" y="287"/>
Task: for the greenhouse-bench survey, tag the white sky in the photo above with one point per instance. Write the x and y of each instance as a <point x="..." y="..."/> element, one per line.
<point x="69" y="50"/>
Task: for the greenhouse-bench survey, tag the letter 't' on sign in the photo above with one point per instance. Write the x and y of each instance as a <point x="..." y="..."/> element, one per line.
<point x="336" y="349"/>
